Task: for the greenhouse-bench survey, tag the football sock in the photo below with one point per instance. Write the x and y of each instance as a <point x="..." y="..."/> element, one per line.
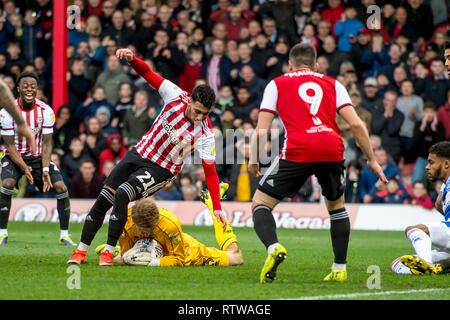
<point x="4" y="231"/>
<point x="421" y="243"/>
<point x="5" y="206"/>
<point x="124" y="195"/>
<point x="63" y="208"/>
<point x="340" y="234"/>
<point x="109" y="248"/>
<point x="83" y="247"/>
<point x="63" y="233"/>
<point x="223" y="238"/>
<point x="338" y="266"/>
<point x="264" y="225"/>
<point x="95" y="217"/>
<point x="271" y="247"/>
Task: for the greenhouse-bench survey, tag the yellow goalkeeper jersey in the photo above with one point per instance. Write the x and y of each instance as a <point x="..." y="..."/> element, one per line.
<point x="180" y="249"/>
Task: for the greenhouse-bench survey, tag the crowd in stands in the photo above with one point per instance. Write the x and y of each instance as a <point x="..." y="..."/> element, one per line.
<point x="391" y="64"/>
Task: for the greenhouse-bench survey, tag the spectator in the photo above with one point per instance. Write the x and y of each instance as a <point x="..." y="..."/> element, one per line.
<point x="118" y="30"/>
<point x="242" y="186"/>
<point x="394" y="61"/>
<point x="169" y="193"/>
<point x="370" y="99"/>
<point x="420" y="196"/>
<point x="401" y="25"/>
<point x="333" y="13"/>
<point x="108" y="8"/>
<point x="303" y="11"/>
<point x="411" y="106"/>
<point x="125" y="102"/>
<point x="56" y="159"/>
<point x="376" y="55"/>
<point x="309" y="36"/>
<point x="284" y="14"/>
<point x="189" y="193"/>
<point x="192" y="69"/>
<point x="32" y="35"/>
<point x="64" y="130"/>
<point x="334" y="56"/>
<point x="322" y="65"/>
<point x="88" y="183"/>
<point x="78" y="84"/>
<point x="145" y="33"/>
<point x="15" y="57"/>
<point x="420" y="17"/>
<point x="434" y="87"/>
<point x="369" y="179"/>
<point x="114" y="152"/>
<point x="91" y="105"/>
<point x="217" y="68"/>
<point x="168" y="60"/>
<point x="255" y="84"/>
<point x="390" y="193"/>
<point x="108" y="167"/>
<point x="427" y="132"/>
<point x="93" y="139"/>
<point x="387" y="123"/>
<point x="443" y="116"/>
<point x="227" y="120"/>
<point x="363" y="114"/>
<point x="234" y="18"/>
<point x="276" y="65"/>
<point x="72" y="160"/>
<point x="352" y="179"/>
<point x="225" y="98"/>
<point x="7" y="32"/>
<point x="111" y="79"/>
<point x="136" y="121"/>
<point x="347" y="28"/>
<point x="164" y="21"/>
<point x="271" y="30"/>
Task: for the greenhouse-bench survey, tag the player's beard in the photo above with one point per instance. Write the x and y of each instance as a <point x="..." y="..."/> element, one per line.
<point x="437" y="175"/>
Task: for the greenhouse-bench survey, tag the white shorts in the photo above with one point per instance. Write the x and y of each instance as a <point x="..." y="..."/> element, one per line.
<point x="440" y="236"/>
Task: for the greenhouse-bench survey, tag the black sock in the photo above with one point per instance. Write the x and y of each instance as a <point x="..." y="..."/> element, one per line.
<point x="63" y="207"/>
<point x="264" y="225"/>
<point x="5" y="206"/>
<point x="118" y="218"/>
<point x="340" y="234"/>
<point x="94" y="220"/>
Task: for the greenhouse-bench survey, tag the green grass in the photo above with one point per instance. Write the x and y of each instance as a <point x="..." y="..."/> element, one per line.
<point x="33" y="266"/>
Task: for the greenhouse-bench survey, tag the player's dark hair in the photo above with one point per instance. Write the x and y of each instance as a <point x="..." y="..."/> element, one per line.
<point x="441" y="149"/>
<point x="204" y="94"/>
<point x="27" y="74"/>
<point x="303" y="54"/>
<point x="447" y="45"/>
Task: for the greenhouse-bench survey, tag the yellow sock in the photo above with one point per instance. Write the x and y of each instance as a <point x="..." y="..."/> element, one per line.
<point x="224" y="238"/>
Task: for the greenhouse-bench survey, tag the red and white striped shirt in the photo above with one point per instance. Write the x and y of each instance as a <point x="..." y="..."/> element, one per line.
<point x="40" y="119"/>
<point x="172" y="137"/>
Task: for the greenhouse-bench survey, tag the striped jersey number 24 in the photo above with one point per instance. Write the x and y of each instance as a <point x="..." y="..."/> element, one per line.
<point x="313" y="100"/>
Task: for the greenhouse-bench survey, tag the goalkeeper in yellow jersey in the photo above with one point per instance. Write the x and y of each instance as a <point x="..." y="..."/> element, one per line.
<point x="146" y="220"/>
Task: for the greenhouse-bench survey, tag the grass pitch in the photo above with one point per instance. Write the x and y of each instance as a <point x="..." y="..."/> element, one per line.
<point x="33" y="267"/>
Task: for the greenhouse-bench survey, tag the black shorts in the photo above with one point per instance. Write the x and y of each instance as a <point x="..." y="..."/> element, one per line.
<point x="289" y="177"/>
<point x="143" y="175"/>
<point x="10" y="170"/>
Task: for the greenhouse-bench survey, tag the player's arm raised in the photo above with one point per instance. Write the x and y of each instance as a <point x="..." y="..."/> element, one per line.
<point x="142" y="69"/>
<point x="361" y="135"/>
<point x="47" y="145"/>
<point x="16" y="157"/>
<point x="7" y="102"/>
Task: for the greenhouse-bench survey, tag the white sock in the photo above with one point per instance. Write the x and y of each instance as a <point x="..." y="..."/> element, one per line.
<point x="271" y="247"/>
<point x="64" y="233"/>
<point x="83" y="247"/>
<point x="421" y="243"/>
<point x="4" y="231"/>
<point x="110" y="248"/>
<point x="338" y="266"/>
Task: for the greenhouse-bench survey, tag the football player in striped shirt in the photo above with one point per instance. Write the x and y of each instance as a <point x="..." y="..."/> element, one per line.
<point x="20" y="159"/>
<point x="182" y="126"/>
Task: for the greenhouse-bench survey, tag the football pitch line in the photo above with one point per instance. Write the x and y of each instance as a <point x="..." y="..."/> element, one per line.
<point x="367" y="294"/>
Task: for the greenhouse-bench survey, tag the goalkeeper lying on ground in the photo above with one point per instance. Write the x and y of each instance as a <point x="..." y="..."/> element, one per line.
<point x="146" y="220"/>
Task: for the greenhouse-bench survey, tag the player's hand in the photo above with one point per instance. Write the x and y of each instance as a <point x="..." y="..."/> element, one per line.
<point x="24" y="130"/>
<point x="376" y="168"/>
<point x="47" y="182"/>
<point x="126" y="54"/>
<point x="253" y="170"/>
<point x="29" y="175"/>
<point x="220" y="217"/>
